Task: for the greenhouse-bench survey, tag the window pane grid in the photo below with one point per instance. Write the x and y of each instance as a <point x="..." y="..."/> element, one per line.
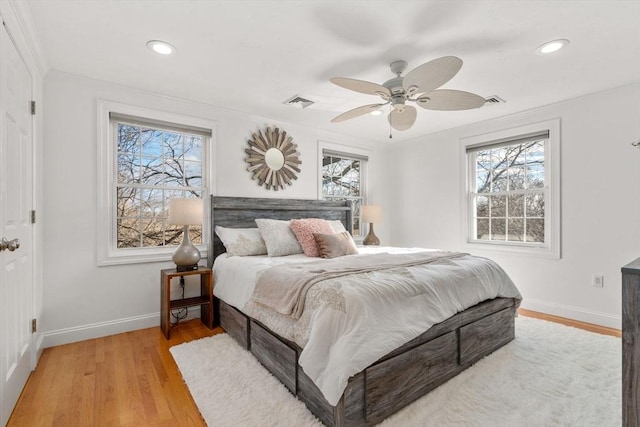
<point x="154" y="165"/>
<point x="342" y="180"/>
<point x="340" y="177"/>
<point x="508" y="201"/>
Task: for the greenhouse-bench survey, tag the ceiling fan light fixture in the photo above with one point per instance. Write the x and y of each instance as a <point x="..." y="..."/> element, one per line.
<point x="398" y="104"/>
<point x="420" y="85"/>
<point x="552" y="46"/>
<point x="160" y="47"/>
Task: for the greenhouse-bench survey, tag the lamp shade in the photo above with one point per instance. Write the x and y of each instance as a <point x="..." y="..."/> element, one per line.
<point x="186" y="211"/>
<point x="371" y="213"/>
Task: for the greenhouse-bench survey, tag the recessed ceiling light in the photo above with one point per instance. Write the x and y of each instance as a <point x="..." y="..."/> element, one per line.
<point x="376" y="112"/>
<point x="552" y="46"/>
<point x="158" y="46"/>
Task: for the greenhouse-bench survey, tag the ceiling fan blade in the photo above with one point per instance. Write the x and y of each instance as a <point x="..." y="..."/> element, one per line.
<point x="403" y="118"/>
<point x="361" y="86"/>
<point x="450" y="100"/>
<point x="356" y="112"/>
<point x="431" y="75"/>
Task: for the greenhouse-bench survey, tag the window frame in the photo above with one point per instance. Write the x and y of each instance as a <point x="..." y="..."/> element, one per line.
<point x="364" y="156"/>
<point x="551" y="248"/>
<point x="107" y="251"/>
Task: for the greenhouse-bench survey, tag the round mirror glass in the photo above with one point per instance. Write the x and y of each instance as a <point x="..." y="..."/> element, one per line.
<point x="274" y="159"/>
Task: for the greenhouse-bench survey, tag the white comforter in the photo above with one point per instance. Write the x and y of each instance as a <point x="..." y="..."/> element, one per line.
<point x="349" y="323"/>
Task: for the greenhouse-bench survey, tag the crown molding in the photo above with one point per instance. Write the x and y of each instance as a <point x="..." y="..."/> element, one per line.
<point x="19" y="22"/>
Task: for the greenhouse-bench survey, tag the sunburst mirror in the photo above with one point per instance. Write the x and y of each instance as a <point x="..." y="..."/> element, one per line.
<point x="273" y="158"/>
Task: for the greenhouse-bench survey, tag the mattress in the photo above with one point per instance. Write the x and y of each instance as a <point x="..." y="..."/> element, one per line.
<point x="236" y="276"/>
<point x="350" y="322"/>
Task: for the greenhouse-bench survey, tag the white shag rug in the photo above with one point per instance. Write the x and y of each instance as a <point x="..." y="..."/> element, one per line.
<point x="550" y="375"/>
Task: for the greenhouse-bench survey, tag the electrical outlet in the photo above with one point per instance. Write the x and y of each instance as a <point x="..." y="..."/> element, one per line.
<point x="598" y="281"/>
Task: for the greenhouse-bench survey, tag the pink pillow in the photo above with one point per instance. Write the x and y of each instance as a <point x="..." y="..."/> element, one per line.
<point x="304" y="230"/>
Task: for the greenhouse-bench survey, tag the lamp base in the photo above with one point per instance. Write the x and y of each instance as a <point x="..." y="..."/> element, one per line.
<point x="186" y="257"/>
<point x="371" y="238"/>
<point x="182" y="268"/>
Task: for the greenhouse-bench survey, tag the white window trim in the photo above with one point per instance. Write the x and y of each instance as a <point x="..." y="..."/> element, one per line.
<point x="107" y="252"/>
<point x="550" y="249"/>
<point x="346" y="150"/>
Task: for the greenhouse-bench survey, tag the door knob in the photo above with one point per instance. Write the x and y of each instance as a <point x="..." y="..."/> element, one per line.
<point x="11" y="245"/>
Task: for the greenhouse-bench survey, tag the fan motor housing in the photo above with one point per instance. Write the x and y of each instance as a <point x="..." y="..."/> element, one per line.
<point x="395" y="86"/>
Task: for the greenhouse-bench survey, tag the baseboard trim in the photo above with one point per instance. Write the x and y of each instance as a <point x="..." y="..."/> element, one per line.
<point x="127" y="324"/>
<point x="103" y="329"/>
<point x="574" y="313"/>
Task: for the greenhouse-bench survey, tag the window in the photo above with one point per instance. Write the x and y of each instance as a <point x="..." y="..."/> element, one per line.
<point x="509" y="193"/>
<point x="148" y="158"/>
<point x="512" y="189"/>
<point x="154" y="163"/>
<point x="343" y="178"/>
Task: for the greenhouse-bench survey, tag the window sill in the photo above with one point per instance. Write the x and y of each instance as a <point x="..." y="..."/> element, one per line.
<point x="141" y="256"/>
<point x="513" y="248"/>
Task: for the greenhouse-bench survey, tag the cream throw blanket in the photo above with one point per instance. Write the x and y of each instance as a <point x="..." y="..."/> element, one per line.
<point x="284" y="288"/>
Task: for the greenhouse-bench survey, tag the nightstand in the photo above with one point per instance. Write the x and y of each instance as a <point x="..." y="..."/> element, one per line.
<point x="205" y="300"/>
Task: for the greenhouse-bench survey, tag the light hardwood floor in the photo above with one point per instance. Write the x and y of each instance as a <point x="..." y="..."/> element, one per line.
<point x="129" y="379"/>
<point x="576" y="324"/>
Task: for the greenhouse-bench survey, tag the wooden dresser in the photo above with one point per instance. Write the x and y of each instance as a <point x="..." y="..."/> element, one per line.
<point x="631" y="344"/>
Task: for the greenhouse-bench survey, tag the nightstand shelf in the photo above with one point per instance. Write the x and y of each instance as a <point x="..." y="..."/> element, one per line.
<point x="205" y="300"/>
<point x="189" y="302"/>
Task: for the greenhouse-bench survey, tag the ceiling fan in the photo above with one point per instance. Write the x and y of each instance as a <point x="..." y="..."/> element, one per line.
<point x="419" y="86"/>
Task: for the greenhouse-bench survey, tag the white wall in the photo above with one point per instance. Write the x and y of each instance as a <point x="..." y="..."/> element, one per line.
<point x="600" y="192"/>
<point x="82" y="300"/>
<point x="600" y="173"/>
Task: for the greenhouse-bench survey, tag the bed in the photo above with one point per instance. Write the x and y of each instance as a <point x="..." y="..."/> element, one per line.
<point x="389" y="382"/>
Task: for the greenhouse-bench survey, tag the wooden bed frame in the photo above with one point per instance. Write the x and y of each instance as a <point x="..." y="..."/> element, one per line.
<point x="392" y="382"/>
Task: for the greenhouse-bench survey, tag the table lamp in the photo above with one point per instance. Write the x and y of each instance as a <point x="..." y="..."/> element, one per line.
<point x="371" y="214"/>
<point x="186" y="212"/>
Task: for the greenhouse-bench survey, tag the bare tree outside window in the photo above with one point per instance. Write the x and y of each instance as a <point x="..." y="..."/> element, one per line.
<point x="509" y="195"/>
<point x="154" y="165"/>
<point x="342" y="180"/>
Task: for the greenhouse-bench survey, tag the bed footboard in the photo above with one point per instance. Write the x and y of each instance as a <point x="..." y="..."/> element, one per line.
<point x="397" y="379"/>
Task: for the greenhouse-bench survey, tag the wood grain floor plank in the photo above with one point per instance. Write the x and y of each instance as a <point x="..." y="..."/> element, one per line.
<point x="128" y="379"/>
<point x="573" y="323"/>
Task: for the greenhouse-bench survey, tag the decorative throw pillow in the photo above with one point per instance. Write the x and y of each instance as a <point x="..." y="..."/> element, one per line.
<point x="241" y="241"/>
<point x="335" y="245"/>
<point x="304" y="230"/>
<point x="338" y="226"/>
<point x="278" y="237"/>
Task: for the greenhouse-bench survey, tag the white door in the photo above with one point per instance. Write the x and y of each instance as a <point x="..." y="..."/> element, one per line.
<point x="16" y="198"/>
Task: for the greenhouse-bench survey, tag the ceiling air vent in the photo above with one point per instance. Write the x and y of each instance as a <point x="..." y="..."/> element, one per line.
<point x="298" y="101"/>
<point x="495" y="99"/>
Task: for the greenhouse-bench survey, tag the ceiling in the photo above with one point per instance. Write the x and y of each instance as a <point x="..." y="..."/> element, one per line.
<point x="253" y="55"/>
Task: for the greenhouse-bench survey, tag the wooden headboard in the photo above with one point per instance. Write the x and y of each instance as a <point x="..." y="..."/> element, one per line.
<point x="241" y="212"/>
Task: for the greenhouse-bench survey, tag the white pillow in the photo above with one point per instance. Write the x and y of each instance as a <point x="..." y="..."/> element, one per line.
<point x="241" y="241"/>
<point x="278" y="237"/>
<point x="337" y="225"/>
